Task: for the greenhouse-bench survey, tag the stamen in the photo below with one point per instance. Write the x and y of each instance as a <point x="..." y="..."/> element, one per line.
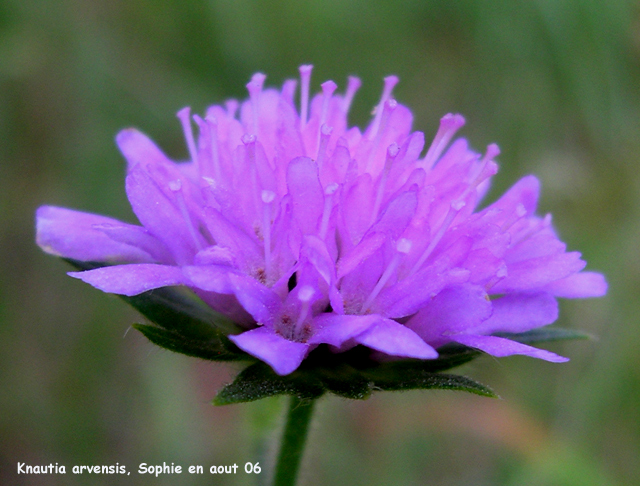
<point x="232" y="108"/>
<point x="249" y="142"/>
<point x="389" y="84"/>
<point x="176" y="188"/>
<point x="455" y="207"/>
<point x="289" y="90"/>
<point x="501" y="273"/>
<point x="538" y="226"/>
<point x="305" y="79"/>
<point x="255" y="88"/>
<point x="353" y="85"/>
<point x="515" y="217"/>
<point x="248" y="139"/>
<point x="212" y="123"/>
<point x="403" y="247"/>
<point x="329" y="191"/>
<point x="305" y="294"/>
<point x="203" y="166"/>
<point x="328" y="88"/>
<point x="184" y="116"/>
<point x="267" y="198"/>
<point x="449" y="125"/>
<point x="389" y="106"/>
<point x="392" y="152"/>
<point x="325" y="135"/>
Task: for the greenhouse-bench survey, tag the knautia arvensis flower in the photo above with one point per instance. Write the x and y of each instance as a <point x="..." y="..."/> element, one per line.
<point x="305" y="231"/>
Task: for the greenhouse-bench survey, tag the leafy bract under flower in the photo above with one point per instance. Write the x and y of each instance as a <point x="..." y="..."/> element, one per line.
<point x="304" y="231"/>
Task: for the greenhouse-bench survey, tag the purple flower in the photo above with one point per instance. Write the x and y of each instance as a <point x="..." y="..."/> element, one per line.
<point x="305" y="231"/>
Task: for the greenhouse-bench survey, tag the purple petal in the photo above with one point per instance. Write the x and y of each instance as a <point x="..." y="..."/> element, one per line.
<point x="212" y="278"/>
<point x="370" y="244"/>
<point x="525" y="192"/>
<point x="159" y="215"/>
<point x="228" y="306"/>
<point x="131" y="279"/>
<point x="579" y="286"/>
<point x="536" y="272"/>
<point x="337" y="329"/>
<point x="520" y="313"/>
<point x="282" y="355"/>
<point x="137" y="147"/>
<point x="500" y="347"/>
<point x="258" y="300"/>
<point x="544" y="243"/>
<point x="395" y="339"/>
<point x="455" y="309"/>
<point x="245" y="250"/>
<point x="412" y="293"/>
<point x="315" y="250"/>
<point x="72" y="234"/>
<point x="356" y="204"/>
<point x="307" y="196"/>
<point x="139" y="237"/>
<point x="397" y="215"/>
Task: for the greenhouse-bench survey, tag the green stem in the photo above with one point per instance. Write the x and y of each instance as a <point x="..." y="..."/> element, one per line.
<point x="293" y="441"/>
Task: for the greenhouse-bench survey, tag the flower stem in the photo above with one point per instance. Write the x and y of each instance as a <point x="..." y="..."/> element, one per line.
<point x="293" y="441"/>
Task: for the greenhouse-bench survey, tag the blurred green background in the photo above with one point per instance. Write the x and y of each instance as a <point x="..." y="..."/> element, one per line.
<point x="554" y="82"/>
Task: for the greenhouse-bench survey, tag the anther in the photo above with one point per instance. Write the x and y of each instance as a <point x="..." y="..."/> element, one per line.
<point x="328" y="88"/>
<point x="248" y="139"/>
<point x="389" y="84"/>
<point x="255" y="88"/>
<point x="353" y="84"/>
<point x="185" y="119"/>
<point x="389" y="106"/>
<point x="305" y="79"/>
<point x="487" y="167"/>
<point x="392" y="153"/>
<point x="449" y="125"/>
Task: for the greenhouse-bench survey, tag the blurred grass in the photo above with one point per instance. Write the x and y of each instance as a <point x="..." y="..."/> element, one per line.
<point x="554" y="82"/>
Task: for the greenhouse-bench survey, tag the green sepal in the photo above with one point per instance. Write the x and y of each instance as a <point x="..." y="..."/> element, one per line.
<point x="186" y="325"/>
<point x="174" y="309"/>
<point x="411" y="375"/>
<point x="345" y="381"/>
<point x="544" y="334"/>
<point x="214" y="349"/>
<point x="260" y="381"/>
<point x="450" y="356"/>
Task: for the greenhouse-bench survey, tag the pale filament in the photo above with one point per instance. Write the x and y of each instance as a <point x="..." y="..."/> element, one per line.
<point x="305" y="79"/>
<point x="403" y="247"/>
<point x="176" y="188"/>
<point x="185" y="119"/>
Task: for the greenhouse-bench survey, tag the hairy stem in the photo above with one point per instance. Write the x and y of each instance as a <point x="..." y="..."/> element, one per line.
<point x="293" y="441"/>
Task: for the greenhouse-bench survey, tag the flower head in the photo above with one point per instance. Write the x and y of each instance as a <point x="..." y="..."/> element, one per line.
<point x="306" y="231"/>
